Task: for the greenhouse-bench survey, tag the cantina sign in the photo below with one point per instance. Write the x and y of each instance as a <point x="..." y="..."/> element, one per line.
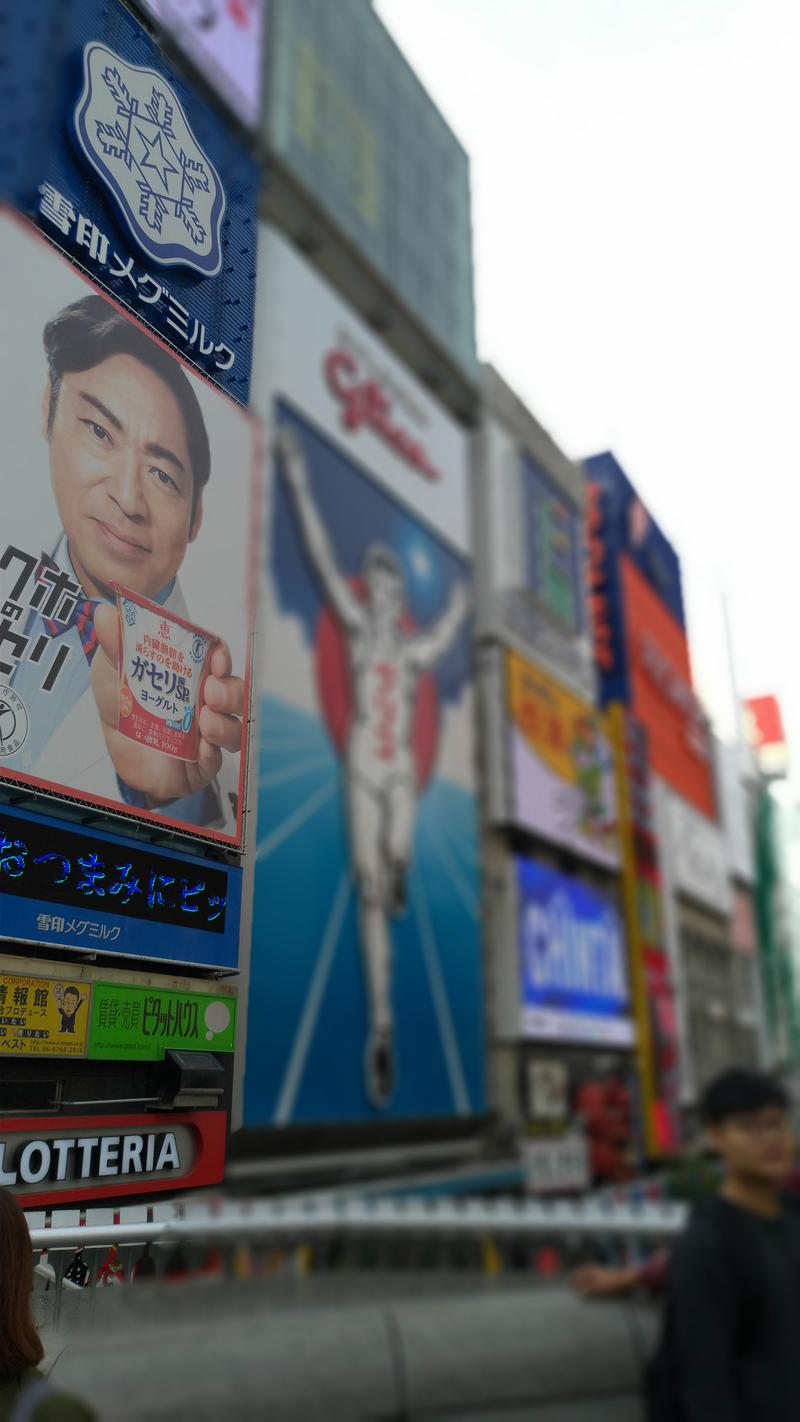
<point x="90" y="1157"/>
<point x="365" y="404"/>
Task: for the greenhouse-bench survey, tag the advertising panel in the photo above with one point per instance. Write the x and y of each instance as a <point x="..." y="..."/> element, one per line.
<point x="224" y="39"/>
<point x="367" y="973"/>
<point x="122" y="470"/>
<point x="560" y="1166"/>
<point x="54" y="1160"/>
<point x="701" y="867"/>
<point x="561" y="765"/>
<point x="574" y="975"/>
<point x="138" y="180"/>
<point x="651" y="982"/>
<point x="95" y="892"/>
<point x="764" y="720"/>
<point x="348" y="116"/>
<point x="661" y="694"/>
<point x="619" y="525"/>
<point x="528" y="502"/>
<point x="737" y="784"/>
<point x="41" y="1017"/>
<point x="553" y="543"/>
<point x="142" y="1024"/>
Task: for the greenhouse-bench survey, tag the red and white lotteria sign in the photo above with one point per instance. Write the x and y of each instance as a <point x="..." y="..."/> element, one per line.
<point x="59" y="1160"/>
<point x="313" y="350"/>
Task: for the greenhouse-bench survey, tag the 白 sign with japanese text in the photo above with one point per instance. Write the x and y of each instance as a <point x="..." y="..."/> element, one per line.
<point x="134" y="176"/>
<point x="43" y="1017"/>
<point x="72" y="888"/>
<point x="135" y="1023"/>
<point x="121" y="469"/>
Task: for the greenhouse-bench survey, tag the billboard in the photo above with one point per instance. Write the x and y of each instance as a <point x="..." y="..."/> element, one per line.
<point x="69" y="887"/>
<point x="107" y="1013"/>
<point x="651" y="979"/>
<point x="134" y="1023"/>
<point x="347" y="115"/>
<point x="528" y="502"/>
<point x="766" y="734"/>
<point x="366" y="973"/>
<point x="573" y="961"/>
<point x="661" y="695"/>
<point x="122" y="469"/>
<point x="55" y="1160"/>
<point x="701" y="864"/>
<point x="561" y="766"/>
<point x="224" y="39"/>
<point x="618" y="524"/>
<point x="136" y="178"/>
<point x="41" y="1017"/>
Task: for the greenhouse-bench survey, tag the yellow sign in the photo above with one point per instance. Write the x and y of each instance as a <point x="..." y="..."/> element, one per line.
<point x="43" y="1017"/>
<point x="562" y="762"/>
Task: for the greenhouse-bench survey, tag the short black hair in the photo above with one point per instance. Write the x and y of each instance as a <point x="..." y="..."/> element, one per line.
<point x="737" y="1092"/>
<point x="90" y="331"/>
<point x="72" y="989"/>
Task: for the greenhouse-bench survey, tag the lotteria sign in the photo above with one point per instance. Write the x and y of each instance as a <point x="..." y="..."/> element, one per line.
<point x="574" y="974"/>
<point x="56" y="1160"/>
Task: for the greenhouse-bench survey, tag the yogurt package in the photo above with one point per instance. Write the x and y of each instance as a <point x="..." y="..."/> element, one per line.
<point x="163" y="666"/>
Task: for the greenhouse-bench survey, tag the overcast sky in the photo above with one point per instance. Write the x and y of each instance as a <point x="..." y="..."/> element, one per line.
<point x="636" y="207"/>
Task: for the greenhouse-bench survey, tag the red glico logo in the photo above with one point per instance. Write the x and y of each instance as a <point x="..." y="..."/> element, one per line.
<point x="365" y="404"/>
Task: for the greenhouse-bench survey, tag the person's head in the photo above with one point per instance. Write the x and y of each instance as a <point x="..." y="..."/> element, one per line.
<point x="20" y="1344"/>
<point x="71" y="998"/>
<point x="129" y="453"/>
<point x="384" y="581"/>
<point x="748" y="1123"/>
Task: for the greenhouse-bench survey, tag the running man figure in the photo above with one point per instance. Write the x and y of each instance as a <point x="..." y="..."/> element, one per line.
<point x="385" y="664"/>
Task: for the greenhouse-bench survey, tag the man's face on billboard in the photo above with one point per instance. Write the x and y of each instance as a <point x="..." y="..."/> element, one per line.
<point x="122" y="477"/>
<point x="70" y="1003"/>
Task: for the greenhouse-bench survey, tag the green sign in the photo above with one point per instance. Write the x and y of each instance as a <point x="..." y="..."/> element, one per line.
<point x="142" y="1023"/>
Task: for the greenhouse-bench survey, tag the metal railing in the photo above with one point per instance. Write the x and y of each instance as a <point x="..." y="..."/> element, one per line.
<point x="320" y="1234"/>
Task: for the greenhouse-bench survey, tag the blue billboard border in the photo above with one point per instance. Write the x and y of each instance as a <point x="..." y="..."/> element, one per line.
<point x="19" y="914"/>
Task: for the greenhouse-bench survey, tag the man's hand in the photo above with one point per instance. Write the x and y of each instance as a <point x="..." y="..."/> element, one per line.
<point x="599" y="1281"/>
<point x="161" y="777"/>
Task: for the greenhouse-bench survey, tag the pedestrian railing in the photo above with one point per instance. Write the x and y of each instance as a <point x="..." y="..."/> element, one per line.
<point x="196" y="1240"/>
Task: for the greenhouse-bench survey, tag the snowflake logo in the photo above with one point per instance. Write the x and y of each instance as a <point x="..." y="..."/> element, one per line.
<point x="133" y="131"/>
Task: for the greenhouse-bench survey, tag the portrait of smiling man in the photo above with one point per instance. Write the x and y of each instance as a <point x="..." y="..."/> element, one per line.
<point x="129" y="462"/>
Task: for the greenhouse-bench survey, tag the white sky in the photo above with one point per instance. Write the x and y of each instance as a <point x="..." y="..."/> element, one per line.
<point x="636" y="204"/>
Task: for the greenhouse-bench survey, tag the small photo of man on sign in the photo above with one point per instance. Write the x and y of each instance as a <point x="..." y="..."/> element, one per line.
<point x="69" y="1000"/>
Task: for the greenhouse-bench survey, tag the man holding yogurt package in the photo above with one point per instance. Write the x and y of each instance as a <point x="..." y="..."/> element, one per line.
<point x="129" y="460"/>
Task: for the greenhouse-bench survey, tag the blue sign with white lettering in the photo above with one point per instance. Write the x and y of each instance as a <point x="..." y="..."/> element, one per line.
<point x="134" y="176"/>
<point x="573" y="961"/>
<point x="619" y="523"/>
<point x="67" y="887"/>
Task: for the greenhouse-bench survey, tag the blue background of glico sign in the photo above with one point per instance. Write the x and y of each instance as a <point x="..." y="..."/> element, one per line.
<point x="41" y="80"/>
<point x="654" y="557"/>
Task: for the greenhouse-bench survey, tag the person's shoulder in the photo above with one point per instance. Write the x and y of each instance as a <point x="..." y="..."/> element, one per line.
<point x="63" y="1407"/>
<point x="708" y="1230"/>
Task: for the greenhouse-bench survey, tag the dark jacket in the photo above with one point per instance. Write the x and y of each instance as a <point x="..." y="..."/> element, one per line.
<point x="735" y="1284"/>
<point x="54" y="1407"/>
